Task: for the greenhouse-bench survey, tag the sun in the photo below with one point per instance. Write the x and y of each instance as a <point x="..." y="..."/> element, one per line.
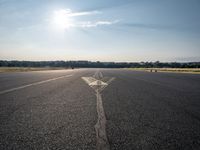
<point x="62" y="19"/>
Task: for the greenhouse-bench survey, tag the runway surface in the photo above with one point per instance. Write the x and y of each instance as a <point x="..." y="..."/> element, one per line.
<point x="99" y="109"/>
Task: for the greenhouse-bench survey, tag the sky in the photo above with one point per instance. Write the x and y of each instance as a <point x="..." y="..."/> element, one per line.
<point x="100" y="30"/>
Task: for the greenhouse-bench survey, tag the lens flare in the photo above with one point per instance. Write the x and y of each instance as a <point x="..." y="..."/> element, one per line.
<point x="62" y="19"/>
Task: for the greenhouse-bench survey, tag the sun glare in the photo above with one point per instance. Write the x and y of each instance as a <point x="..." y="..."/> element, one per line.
<point x="62" y="19"/>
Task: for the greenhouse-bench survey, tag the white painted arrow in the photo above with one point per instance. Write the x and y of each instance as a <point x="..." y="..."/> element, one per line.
<point x="98" y="86"/>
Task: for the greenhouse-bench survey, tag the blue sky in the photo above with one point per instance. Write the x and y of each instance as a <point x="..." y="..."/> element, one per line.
<point x="103" y="30"/>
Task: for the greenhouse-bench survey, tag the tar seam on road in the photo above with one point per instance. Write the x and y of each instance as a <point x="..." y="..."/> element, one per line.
<point x="32" y="84"/>
<point x="100" y="127"/>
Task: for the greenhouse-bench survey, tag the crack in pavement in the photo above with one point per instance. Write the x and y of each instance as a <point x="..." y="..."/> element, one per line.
<point x="100" y="127"/>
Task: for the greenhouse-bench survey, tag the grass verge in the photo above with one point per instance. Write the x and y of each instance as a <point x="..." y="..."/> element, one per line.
<point x="25" y="69"/>
<point x="175" y="70"/>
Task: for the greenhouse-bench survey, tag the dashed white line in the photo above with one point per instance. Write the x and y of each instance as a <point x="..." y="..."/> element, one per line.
<point x="33" y="84"/>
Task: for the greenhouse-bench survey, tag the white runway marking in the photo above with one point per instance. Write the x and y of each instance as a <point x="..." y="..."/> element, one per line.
<point x="100" y="75"/>
<point x="100" y="127"/>
<point x="33" y="84"/>
<point x="89" y="80"/>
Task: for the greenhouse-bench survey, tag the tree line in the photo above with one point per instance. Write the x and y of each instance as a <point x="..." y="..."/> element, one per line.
<point x="98" y="64"/>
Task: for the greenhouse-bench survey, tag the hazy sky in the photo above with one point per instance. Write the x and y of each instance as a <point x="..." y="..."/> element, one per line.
<point x="104" y="30"/>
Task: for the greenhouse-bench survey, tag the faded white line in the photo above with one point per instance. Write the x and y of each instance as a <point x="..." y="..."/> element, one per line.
<point x="109" y="81"/>
<point x="113" y="78"/>
<point x="33" y="84"/>
<point x="100" y="127"/>
<point x="96" y="74"/>
<point x="100" y="75"/>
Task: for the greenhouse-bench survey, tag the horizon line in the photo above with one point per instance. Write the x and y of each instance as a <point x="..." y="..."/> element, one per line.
<point x="106" y="61"/>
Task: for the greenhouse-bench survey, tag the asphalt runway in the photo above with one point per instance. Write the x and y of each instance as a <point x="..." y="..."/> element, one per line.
<point x="99" y="109"/>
